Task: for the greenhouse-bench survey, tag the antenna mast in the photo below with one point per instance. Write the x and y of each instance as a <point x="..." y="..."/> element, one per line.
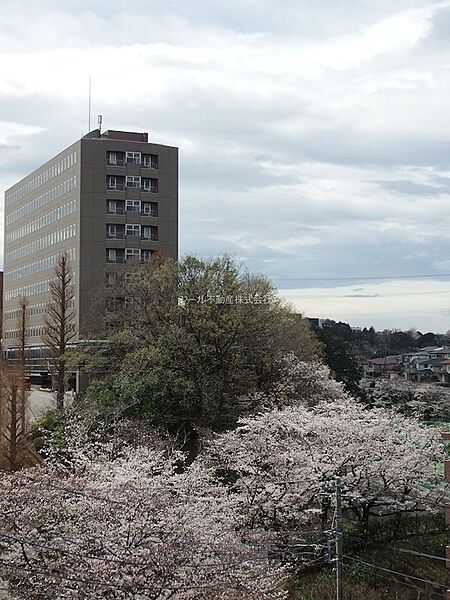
<point x="89" y="106"/>
<point x="100" y="120"/>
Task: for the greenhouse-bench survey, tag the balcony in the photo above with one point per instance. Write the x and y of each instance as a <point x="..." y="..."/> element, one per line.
<point x="118" y="186"/>
<point x="146" y="256"/>
<point x="150" y="185"/>
<point x="115" y="207"/>
<point x="115" y="256"/>
<point x="115" y="159"/>
<point x="153" y="237"/>
<point x="150" y="161"/>
<point x="150" y="209"/>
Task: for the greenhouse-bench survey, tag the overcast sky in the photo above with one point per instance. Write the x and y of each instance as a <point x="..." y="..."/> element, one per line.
<point x="314" y="136"/>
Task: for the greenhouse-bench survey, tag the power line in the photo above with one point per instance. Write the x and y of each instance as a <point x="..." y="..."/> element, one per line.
<point x="398" y="549"/>
<point x="434" y="583"/>
<point x="269" y="545"/>
<point x="353" y="315"/>
<point x="362" y="277"/>
<point x="374" y="297"/>
<point x="102" y="498"/>
<point x="406" y="584"/>
<point x="266" y="545"/>
<point x="243" y="556"/>
<point x="106" y="584"/>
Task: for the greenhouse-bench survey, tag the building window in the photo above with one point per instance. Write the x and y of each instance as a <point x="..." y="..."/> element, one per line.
<point x="150" y="161"/>
<point x="113" y="304"/>
<point x="112" y="183"/>
<point x="114" y="255"/>
<point x="111" y="279"/>
<point x="133" y="230"/>
<point x="146" y="255"/>
<point x="150" y="209"/>
<point x="111" y="255"/>
<point x="113" y="207"/>
<point x="149" y="232"/>
<point x="111" y="231"/>
<point x="134" y="158"/>
<point x="133" y="182"/>
<point x="150" y="185"/>
<point x="115" y="158"/>
<point x="131" y="253"/>
<point x="133" y="206"/>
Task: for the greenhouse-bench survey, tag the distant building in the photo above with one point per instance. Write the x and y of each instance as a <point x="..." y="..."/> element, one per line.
<point x="425" y="364"/>
<point x="446" y="437"/>
<point x="388" y="367"/>
<point x="315" y="323"/>
<point x="1" y="303"/>
<point x="108" y="200"/>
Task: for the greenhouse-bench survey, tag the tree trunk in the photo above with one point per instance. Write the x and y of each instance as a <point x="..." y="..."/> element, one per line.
<point x="13" y="441"/>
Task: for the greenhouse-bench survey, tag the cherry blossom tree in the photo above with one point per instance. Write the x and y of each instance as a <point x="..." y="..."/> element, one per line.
<point x="279" y="461"/>
<point x="428" y="402"/>
<point x="301" y="382"/>
<point x="126" y="523"/>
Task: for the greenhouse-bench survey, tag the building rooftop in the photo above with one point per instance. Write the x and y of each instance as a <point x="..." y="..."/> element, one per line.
<point x="112" y="134"/>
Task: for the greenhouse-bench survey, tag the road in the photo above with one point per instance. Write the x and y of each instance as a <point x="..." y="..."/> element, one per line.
<point x="40" y="402"/>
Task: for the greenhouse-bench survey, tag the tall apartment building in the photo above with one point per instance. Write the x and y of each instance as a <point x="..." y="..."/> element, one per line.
<point x="105" y="200"/>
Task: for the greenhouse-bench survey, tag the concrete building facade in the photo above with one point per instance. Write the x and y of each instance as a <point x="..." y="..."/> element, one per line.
<point x="106" y="200"/>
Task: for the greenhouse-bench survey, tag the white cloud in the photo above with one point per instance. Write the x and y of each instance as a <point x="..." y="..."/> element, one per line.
<point x="313" y="138"/>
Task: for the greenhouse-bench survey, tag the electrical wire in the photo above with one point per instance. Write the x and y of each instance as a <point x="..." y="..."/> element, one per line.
<point x="396" y="548"/>
<point x="369" y="297"/>
<point x="269" y="545"/>
<point x="101" y="498"/>
<point x="405" y="583"/>
<point x="362" y="277"/>
<point x="126" y="504"/>
<point x="106" y="584"/>
<point x="27" y="542"/>
<point x="434" y="583"/>
<point x="264" y="545"/>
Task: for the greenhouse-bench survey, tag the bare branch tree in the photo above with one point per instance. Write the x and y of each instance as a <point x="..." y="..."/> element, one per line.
<point x="22" y="323"/>
<point x="59" y="329"/>
<point x="15" y="447"/>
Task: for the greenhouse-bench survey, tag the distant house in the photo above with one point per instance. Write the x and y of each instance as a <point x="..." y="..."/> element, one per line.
<point x="425" y="364"/>
<point x="430" y="364"/>
<point x="445" y="371"/>
<point x="388" y="367"/>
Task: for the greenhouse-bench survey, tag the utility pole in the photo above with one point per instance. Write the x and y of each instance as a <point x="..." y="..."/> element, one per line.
<point x="339" y="541"/>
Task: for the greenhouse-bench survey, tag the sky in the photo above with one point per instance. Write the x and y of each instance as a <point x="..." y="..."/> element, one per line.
<point x="314" y="137"/>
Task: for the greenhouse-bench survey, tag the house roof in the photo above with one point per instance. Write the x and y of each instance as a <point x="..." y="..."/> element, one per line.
<point x="387" y="360"/>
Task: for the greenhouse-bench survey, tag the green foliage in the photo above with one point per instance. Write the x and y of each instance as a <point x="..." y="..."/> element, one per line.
<point x="195" y="337"/>
<point x="49" y="433"/>
<point x="164" y="399"/>
<point x="338" y="355"/>
<point x="423" y="533"/>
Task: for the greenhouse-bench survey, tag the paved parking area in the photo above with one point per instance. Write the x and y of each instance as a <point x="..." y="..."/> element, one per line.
<point x="40" y="402"/>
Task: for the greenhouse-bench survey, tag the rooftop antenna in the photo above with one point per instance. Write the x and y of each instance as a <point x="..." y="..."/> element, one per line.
<point x="89" y="106"/>
<point x="100" y="120"/>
